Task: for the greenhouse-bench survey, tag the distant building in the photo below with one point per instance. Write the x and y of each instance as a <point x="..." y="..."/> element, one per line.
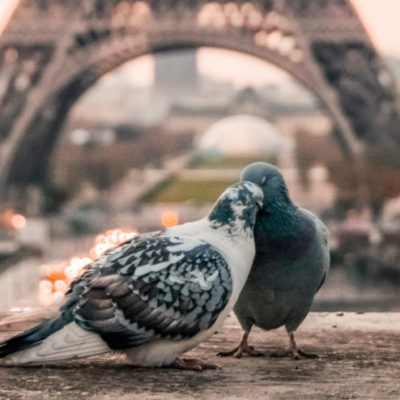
<point x="243" y="135"/>
<point x="117" y="126"/>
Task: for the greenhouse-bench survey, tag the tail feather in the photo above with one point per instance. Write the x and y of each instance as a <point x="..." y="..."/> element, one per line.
<point x="31" y="337"/>
<point x="67" y="343"/>
<point x="60" y="317"/>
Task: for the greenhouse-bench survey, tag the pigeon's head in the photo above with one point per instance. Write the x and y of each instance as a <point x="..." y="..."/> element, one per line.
<point x="270" y="180"/>
<point x="237" y="208"/>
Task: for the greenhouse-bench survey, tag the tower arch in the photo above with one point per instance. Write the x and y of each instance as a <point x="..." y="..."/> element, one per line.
<point x="53" y="51"/>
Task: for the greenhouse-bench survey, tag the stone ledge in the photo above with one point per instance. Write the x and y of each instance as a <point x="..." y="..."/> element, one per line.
<point x="359" y="359"/>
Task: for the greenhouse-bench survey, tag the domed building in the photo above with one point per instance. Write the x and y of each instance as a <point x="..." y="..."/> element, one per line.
<point x="243" y="135"/>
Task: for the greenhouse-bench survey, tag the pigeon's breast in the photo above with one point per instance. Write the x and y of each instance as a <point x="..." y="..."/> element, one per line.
<point x="270" y="246"/>
<point x="284" y="278"/>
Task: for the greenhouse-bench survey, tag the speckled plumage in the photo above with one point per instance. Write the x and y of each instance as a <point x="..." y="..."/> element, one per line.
<point x="292" y="260"/>
<point x="154" y="297"/>
<point x="153" y="288"/>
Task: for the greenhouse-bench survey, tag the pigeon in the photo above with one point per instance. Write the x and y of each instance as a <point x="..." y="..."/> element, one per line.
<point x="154" y="297"/>
<point x="291" y="262"/>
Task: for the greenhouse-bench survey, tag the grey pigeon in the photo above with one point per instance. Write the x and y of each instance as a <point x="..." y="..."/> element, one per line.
<point x="292" y="260"/>
<point x="155" y="296"/>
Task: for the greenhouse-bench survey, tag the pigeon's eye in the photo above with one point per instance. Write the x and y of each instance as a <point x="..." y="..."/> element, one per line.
<point x="263" y="180"/>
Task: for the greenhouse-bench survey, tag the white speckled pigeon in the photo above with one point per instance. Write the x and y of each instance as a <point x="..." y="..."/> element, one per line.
<point x="292" y="260"/>
<point x="154" y="297"/>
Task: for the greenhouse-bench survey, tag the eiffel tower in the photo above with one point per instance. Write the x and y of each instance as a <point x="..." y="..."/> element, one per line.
<point x="54" y="50"/>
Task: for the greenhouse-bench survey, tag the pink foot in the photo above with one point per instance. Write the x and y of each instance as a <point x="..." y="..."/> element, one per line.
<point x="243" y="347"/>
<point x="191" y="364"/>
<point x="294" y="351"/>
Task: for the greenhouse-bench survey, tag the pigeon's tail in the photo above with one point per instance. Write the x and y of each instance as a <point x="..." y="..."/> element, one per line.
<point x="31" y="337"/>
<point x="50" y="343"/>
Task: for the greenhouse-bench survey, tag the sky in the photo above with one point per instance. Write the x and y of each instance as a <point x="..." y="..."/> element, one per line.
<point x="380" y="17"/>
<point x="7" y="7"/>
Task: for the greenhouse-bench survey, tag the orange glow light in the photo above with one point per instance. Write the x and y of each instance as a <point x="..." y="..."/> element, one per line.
<point x="57" y="295"/>
<point x="46" y="287"/>
<point x="115" y="236"/>
<point x="18" y="221"/>
<point x="169" y="219"/>
<point x="70" y="272"/>
<point x="85" y="261"/>
<point x="55" y="272"/>
<point x="109" y="240"/>
<point x="6" y="218"/>
<point x="60" y="286"/>
<point x="57" y="277"/>
<point x="76" y="264"/>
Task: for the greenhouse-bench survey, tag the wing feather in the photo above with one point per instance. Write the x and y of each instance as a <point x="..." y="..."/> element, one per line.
<point x="152" y="287"/>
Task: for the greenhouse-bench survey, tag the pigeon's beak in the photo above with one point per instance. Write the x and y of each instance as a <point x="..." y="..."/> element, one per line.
<point x="260" y="205"/>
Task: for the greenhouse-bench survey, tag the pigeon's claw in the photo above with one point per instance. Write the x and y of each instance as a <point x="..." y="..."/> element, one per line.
<point x="243" y="347"/>
<point x="252" y="353"/>
<point x="285" y="353"/>
<point x="294" y="351"/>
<point x="228" y="353"/>
<point x="192" y="364"/>
<point x="307" y="355"/>
<point x="295" y="355"/>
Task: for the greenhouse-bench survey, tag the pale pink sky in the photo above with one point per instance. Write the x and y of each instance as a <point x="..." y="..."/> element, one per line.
<point x="382" y="21"/>
<point x="6" y="9"/>
<point x="380" y="17"/>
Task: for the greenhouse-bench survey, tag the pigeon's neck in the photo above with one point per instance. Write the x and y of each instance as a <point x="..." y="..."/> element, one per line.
<point x="237" y="233"/>
<point x="279" y="220"/>
<point x="232" y="219"/>
<point x="237" y="229"/>
<point x="238" y="249"/>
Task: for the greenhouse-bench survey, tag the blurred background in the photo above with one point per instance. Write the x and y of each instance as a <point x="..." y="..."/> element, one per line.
<point x="152" y="138"/>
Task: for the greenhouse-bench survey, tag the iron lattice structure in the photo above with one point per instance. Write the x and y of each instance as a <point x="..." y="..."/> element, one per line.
<point x="53" y="50"/>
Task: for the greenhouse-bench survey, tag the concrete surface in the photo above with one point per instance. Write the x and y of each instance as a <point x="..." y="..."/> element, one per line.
<point x="359" y="359"/>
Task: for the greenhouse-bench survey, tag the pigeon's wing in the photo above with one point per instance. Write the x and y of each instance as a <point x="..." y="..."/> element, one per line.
<point x="153" y="287"/>
<point x="322" y="282"/>
<point x="325" y="244"/>
<point x="323" y="234"/>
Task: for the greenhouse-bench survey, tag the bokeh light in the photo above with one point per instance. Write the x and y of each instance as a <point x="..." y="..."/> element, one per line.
<point x="58" y="277"/>
<point x="169" y="219"/>
<point x="57" y="295"/>
<point x="10" y="220"/>
<point x="18" y="221"/>
<point x="60" y="286"/>
<point x="46" y="287"/>
<point x="109" y="240"/>
<point x="71" y="272"/>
